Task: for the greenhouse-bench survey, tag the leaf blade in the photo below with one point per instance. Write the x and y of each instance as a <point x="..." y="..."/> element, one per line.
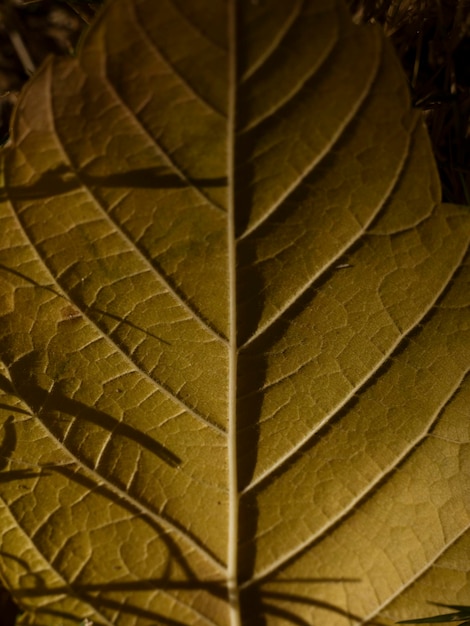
<point x="118" y="339"/>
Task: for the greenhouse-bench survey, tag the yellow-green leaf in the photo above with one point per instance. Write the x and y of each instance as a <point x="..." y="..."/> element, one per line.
<point x="234" y="329"/>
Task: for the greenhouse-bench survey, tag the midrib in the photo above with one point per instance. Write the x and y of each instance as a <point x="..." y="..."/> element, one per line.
<point x="233" y="501"/>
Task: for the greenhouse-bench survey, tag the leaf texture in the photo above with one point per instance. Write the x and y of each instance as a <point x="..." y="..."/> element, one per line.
<point x="234" y="329"/>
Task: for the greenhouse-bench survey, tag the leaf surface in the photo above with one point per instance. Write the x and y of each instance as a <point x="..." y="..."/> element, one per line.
<point x="234" y="329"/>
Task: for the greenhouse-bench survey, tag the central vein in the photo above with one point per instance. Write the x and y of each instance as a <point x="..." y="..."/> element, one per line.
<point x="233" y="503"/>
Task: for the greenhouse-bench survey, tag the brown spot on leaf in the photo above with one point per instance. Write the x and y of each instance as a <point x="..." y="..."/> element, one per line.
<point x="70" y="313"/>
